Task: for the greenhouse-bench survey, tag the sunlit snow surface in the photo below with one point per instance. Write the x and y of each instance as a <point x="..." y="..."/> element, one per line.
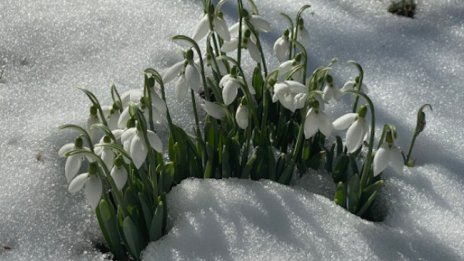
<point x="50" y="47"/>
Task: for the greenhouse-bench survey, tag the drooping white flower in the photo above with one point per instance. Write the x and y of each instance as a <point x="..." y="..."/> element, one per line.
<point x="135" y="145"/>
<point x="134" y="97"/>
<point x="91" y="120"/>
<point x="248" y="44"/>
<point x="188" y="73"/>
<point x="287" y="66"/>
<point x="73" y="162"/>
<point x="282" y="47"/>
<point x="230" y="85"/>
<point x="349" y="86"/>
<point x="331" y="92"/>
<point x="93" y="187"/>
<point x="303" y="34"/>
<point x="388" y="155"/>
<point x="104" y="152"/>
<point x="290" y="94"/>
<point x="242" y="116"/>
<point x="219" y="26"/>
<point x="317" y="120"/>
<point x="357" y="128"/>
<point x="259" y="23"/>
<point x="214" y="110"/>
<point x="119" y="175"/>
<point x="111" y="116"/>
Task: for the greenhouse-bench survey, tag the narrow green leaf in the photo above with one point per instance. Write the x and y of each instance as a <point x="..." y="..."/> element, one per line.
<point x="156" y="227"/>
<point x="135" y="242"/>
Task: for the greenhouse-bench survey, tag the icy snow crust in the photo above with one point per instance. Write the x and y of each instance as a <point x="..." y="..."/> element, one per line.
<point x="50" y="47"/>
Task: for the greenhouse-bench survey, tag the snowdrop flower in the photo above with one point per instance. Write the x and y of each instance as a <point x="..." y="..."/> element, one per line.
<point x="247" y="43"/>
<point x="357" y="128"/>
<point x="188" y="76"/>
<point x="291" y="94"/>
<point x="134" y="143"/>
<point x="119" y="173"/>
<point x="303" y="33"/>
<point x="317" y="120"/>
<point x="219" y="26"/>
<point x="214" y="110"/>
<point x="282" y="47"/>
<point x="105" y="153"/>
<point x="73" y="162"/>
<point x="259" y="23"/>
<point x="388" y="154"/>
<point x="93" y="119"/>
<point x="112" y="115"/>
<point x="287" y="66"/>
<point x="93" y="185"/>
<point x="241" y="116"/>
<point x="230" y="84"/>
<point x="136" y="97"/>
<point x="330" y="91"/>
<point x="349" y="86"/>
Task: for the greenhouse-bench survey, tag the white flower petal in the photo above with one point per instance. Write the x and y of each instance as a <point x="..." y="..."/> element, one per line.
<point x="348" y="86"/>
<point x="66" y="148"/>
<point x="138" y="150"/>
<point x="328" y="93"/>
<point x="158" y="103"/>
<point x="213" y="110"/>
<point x="260" y="23"/>
<point x="220" y="26"/>
<point x="93" y="191"/>
<point x="300" y="100"/>
<point x="229" y="93"/>
<point x="128" y="134"/>
<point x="344" y="121"/>
<point x="225" y="79"/>
<point x="181" y="88"/>
<point x="325" y="125"/>
<point x="281" y="48"/>
<point x="123" y="118"/>
<point x="119" y="176"/>
<point x="117" y="133"/>
<point x="354" y="136"/>
<point x="297" y="87"/>
<point x="254" y="52"/>
<point x="108" y="157"/>
<point x="202" y="29"/>
<point x="230" y="46"/>
<point x="155" y="141"/>
<point x="242" y="116"/>
<point x="173" y="71"/>
<point x="285" y="68"/>
<point x="381" y="159"/>
<point x="396" y="160"/>
<point x="72" y="166"/>
<point x="192" y="76"/>
<point x="77" y="183"/>
<point x="310" y="124"/>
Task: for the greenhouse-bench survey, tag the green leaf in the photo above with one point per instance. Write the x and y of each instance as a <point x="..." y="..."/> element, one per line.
<point x="134" y="238"/>
<point x="287" y="173"/>
<point x="156" y="227"/>
<point x="341" y="164"/>
<point x="340" y="195"/>
<point x="147" y="212"/>
<point x="107" y="221"/>
<point x="353" y="191"/>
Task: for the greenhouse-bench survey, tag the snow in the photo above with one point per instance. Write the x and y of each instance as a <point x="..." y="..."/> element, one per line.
<point x="50" y="47"/>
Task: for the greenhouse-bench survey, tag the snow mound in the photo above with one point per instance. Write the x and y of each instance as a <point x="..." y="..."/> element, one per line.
<point x="242" y="220"/>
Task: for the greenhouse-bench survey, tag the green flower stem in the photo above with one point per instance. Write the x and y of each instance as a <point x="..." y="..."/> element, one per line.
<point x="150" y="111"/>
<point x="83" y="132"/>
<point x="299" y="140"/>
<point x="259" y="46"/>
<point x="408" y="157"/>
<point x="367" y="164"/>
<point x="290" y="34"/>
<point x="360" y="82"/>
<point x="298" y="16"/>
<point x="159" y="79"/>
<point x="305" y="63"/>
<point x="240" y="22"/>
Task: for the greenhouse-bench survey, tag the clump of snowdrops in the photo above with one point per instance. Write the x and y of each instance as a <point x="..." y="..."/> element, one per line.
<point x="249" y="124"/>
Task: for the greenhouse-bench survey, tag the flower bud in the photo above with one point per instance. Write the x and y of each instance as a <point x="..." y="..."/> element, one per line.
<point x="420" y="122"/>
<point x="242" y="116"/>
<point x="362" y="111"/>
<point x="78" y="143"/>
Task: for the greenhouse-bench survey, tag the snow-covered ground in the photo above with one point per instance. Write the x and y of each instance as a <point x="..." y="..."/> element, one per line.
<point x="49" y="47"/>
